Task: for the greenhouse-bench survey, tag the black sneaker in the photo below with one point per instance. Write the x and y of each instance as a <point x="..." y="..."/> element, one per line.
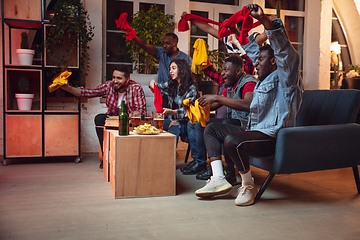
<point x="230" y="175"/>
<point x="195" y="169"/>
<point x="204" y="175"/>
<point x="190" y="164"/>
<point x="101" y="165"/>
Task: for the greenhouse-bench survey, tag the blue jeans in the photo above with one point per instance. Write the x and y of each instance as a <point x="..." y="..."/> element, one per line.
<point x="196" y="140"/>
<point x="195" y="136"/>
<point x="174" y="129"/>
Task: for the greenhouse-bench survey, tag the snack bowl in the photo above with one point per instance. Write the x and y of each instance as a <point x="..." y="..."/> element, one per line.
<point x="146" y="129"/>
<point x="147" y="132"/>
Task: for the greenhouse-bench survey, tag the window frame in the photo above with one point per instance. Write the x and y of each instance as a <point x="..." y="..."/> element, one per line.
<point x="136" y="8"/>
<point x="292" y="13"/>
<point x="214" y="11"/>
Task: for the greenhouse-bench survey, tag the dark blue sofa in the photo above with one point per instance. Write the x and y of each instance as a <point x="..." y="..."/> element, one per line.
<point x="325" y="137"/>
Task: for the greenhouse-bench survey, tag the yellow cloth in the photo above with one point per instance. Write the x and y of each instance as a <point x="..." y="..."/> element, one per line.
<point x="200" y="56"/>
<point x="197" y="113"/>
<point x="59" y="81"/>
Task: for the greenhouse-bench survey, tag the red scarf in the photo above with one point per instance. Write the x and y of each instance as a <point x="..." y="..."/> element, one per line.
<point x="158" y="101"/>
<point x="247" y="25"/>
<point x="122" y="24"/>
<point x="183" y="25"/>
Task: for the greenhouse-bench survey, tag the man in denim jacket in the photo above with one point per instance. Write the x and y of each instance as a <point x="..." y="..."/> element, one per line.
<point x="275" y="103"/>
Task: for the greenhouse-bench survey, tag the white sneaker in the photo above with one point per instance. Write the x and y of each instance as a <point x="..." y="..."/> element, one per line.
<point x="214" y="186"/>
<point x="246" y="194"/>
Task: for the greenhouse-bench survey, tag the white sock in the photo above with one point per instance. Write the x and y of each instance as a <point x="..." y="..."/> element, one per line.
<point x="217" y="169"/>
<point x="247" y="177"/>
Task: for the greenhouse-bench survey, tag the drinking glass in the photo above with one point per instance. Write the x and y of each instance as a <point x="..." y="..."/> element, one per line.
<point x="149" y="117"/>
<point x="135" y="118"/>
<point x="159" y="121"/>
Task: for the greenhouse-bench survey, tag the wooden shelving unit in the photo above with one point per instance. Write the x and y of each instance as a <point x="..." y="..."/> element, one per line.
<point x="52" y="127"/>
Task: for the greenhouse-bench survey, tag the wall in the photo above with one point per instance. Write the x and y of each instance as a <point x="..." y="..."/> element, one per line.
<point x="316" y="63"/>
<point x="350" y="19"/>
<point x="317" y="44"/>
<point x="181" y="6"/>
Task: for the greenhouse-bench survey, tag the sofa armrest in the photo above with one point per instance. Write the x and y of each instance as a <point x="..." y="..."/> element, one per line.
<point x="312" y="148"/>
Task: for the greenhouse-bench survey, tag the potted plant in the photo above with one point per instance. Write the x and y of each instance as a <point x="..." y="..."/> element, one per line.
<point x="68" y="36"/>
<point x="152" y="27"/>
<point x="351" y="78"/>
<point x="25" y="54"/>
<point x="24" y="100"/>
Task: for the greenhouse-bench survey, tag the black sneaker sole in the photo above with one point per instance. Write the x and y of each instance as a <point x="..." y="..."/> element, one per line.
<point x="192" y="173"/>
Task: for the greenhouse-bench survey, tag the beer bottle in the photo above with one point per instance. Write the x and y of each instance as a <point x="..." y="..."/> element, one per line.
<point x="123" y="120"/>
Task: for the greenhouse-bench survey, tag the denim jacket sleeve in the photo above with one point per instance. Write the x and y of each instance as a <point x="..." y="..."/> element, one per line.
<point x="287" y="58"/>
<point x="252" y="48"/>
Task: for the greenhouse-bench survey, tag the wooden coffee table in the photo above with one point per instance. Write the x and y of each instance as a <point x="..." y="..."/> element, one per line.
<point x="140" y="165"/>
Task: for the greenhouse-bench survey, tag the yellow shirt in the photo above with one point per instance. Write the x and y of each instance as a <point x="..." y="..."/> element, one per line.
<point x="200" y="56"/>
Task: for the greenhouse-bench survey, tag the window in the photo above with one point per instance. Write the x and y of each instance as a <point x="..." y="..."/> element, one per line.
<point x="196" y="33"/>
<point x="337" y="35"/>
<point x="227" y="2"/>
<point x="295" y="5"/>
<point x="146" y="6"/>
<point x="222" y="18"/>
<point x="116" y="49"/>
<point x="294" y="27"/>
<point x="293" y="16"/>
<point x="215" y="12"/>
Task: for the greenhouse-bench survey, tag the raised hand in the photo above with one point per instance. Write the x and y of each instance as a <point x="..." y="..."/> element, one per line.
<point x="183" y="14"/>
<point x="152" y="84"/>
<point x="233" y="39"/>
<point x="256" y="11"/>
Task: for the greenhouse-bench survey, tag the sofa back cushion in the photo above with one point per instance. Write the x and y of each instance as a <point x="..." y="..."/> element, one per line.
<point x="328" y="107"/>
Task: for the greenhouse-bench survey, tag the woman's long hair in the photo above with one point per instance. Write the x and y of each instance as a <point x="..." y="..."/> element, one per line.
<point x="186" y="79"/>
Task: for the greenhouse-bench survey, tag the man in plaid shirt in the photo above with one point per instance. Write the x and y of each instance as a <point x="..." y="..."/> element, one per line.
<point x="118" y="89"/>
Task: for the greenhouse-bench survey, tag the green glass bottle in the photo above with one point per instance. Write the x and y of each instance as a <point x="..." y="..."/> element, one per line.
<point x="123" y="120"/>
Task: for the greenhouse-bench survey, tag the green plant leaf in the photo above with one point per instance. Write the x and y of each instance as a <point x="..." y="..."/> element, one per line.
<point x="143" y="24"/>
<point x="70" y="25"/>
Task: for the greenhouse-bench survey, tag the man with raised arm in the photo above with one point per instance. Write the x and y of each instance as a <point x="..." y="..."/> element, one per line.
<point x="275" y="103"/>
<point x="164" y="54"/>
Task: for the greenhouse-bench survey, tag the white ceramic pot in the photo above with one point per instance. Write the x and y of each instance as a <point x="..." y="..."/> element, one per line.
<point x="25" y="56"/>
<point x="24" y="100"/>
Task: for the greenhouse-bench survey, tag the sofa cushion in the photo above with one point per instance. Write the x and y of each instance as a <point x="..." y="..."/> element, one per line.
<point x="320" y="107"/>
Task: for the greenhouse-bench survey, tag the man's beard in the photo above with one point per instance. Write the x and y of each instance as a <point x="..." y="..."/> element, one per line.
<point x="118" y="88"/>
<point x="231" y="83"/>
<point x="168" y="53"/>
<point x="260" y="78"/>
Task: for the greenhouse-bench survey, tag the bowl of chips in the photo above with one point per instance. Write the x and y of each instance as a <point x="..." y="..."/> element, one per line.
<point x="146" y="129"/>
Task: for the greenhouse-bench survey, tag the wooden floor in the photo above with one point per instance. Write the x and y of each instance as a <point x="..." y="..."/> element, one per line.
<point x="63" y="200"/>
